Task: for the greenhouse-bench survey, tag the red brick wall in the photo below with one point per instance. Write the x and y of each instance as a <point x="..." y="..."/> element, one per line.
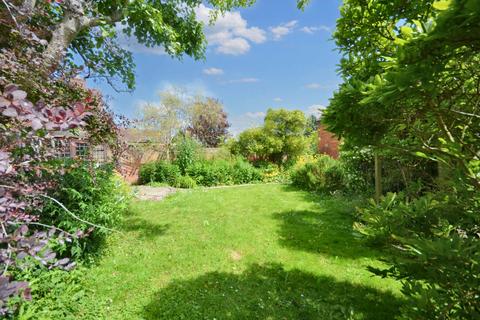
<point x="327" y="143"/>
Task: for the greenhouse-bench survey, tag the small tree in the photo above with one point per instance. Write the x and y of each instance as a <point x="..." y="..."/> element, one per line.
<point x="209" y="122"/>
<point x="157" y="124"/>
<point x="186" y="151"/>
<point x="281" y="138"/>
<point x="285" y="129"/>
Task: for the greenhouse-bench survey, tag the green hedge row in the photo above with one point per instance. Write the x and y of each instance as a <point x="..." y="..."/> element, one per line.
<point x="202" y="173"/>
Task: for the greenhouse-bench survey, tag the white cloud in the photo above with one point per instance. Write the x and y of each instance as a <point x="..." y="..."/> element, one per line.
<point x="315" y="110"/>
<point x="235" y="46"/>
<point x="312" y="30"/>
<point x="230" y="33"/>
<point x="255" y="115"/>
<point x="254" y="34"/>
<point x="213" y="71"/>
<point x="278" y="99"/>
<point x="283" y="29"/>
<point x="244" y="80"/>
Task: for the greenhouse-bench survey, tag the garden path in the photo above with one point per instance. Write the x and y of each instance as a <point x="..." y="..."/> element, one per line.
<point x="153" y="193"/>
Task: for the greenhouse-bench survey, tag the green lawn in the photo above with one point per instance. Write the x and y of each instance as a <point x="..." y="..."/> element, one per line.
<point x="256" y="252"/>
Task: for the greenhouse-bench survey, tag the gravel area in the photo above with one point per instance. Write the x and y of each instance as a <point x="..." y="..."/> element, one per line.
<point x="153" y="193"/>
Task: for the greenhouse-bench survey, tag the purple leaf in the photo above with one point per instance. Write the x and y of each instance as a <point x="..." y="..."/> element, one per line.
<point x="10" y="112"/>
<point x="18" y="94"/>
<point x="36" y="124"/>
<point x="4" y="102"/>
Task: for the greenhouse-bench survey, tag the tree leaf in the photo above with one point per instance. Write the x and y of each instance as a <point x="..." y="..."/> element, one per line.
<point x="441" y="5"/>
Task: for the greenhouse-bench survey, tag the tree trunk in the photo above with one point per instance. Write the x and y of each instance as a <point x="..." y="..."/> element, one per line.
<point x="62" y="37"/>
<point x="378" y="178"/>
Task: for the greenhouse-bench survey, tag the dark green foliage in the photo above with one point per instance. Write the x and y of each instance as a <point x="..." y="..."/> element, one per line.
<point x="322" y="174"/>
<point x="437" y="235"/>
<point x="94" y="195"/>
<point x="358" y="165"/>
<point x="411" y="75"/>
<point x="400" y="172"/>
<point x="210" y="173"/>
<point x="166" y="172"/>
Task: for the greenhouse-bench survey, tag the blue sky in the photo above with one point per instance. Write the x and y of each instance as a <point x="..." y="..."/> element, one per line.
<point x="270" y="55"/>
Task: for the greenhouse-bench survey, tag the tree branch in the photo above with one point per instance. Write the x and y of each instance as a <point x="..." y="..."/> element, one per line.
<point x="64" y="208"/>
<point x="75" y="216"/>
<point x="11" y="14"/>
<point x="28" y="6"/>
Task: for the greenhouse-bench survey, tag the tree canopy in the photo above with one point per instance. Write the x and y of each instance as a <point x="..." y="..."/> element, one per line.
<point x="84" y="34"/>
<point x="412" y="85"/>
<point x="208" y="122"/>
<point x="281" y="138"/>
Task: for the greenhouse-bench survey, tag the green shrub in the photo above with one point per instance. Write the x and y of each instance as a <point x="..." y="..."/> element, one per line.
<point x="223" y="172"/>
<point x="95" y="195"/>
<point x="319" y="174"/>
<point x="273" y="173"/>
<point x="202" y="172"/>
<point x="186" y="152"/>
<point x="211" y="173"/>
<point x="166" y="172"/>
<point x="146" y="173"/>
<point x="244" y="172"/>
<point x="159" y="172"/>
<point x="400" y="171"/>
<point x="58" y="294"/>
<point x="335" y="177"/>
<point x="436" y="250"/>
<point x="185" y="182"/>
<point x="358" y="164"/>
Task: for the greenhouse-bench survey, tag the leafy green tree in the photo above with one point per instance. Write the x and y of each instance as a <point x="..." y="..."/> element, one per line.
<point x="411" y="78"/>
<point x="251" y="143"/>
<point x="311" y="125"/>
<point x="285" y="129"/>
<point x="90" y="30"/>
<point x="281" y="139"/>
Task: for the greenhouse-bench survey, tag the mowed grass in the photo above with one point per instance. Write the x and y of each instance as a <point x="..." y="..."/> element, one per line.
<point x="256" y="252"/>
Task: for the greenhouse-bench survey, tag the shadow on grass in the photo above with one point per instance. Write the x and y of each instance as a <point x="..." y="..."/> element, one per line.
<point x="326" y="229"/>
<point x="317" y="196"/>
<point x="324" y="232"/>
<point x="144" y="228"/>
<point x="269" y="292"/>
